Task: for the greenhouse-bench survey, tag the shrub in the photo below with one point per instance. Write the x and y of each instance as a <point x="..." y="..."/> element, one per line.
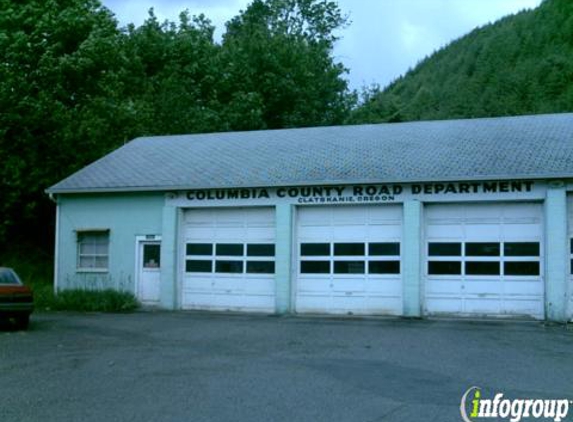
<point x="35" y="268"/>
<point x="82" y="300"/>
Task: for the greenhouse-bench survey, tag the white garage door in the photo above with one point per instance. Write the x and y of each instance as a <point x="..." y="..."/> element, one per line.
<point x="349" y="260"/>
<point x="229" y="259"/>
<point x="484" y="259"/>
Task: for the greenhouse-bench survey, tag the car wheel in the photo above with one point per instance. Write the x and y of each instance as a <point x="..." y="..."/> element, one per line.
<point x="22" y="322"/>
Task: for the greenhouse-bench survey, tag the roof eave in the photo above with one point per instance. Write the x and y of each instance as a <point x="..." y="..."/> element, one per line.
<point x="139" y="189"/>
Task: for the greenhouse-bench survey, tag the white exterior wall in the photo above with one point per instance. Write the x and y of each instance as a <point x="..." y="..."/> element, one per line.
<point x="407" y="215"/>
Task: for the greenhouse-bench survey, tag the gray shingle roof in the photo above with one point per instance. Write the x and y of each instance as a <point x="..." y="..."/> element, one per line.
<point x="524" y="147"/>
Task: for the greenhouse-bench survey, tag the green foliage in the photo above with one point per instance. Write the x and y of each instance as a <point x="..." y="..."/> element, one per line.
<point x="279" y="70"/>
<point x="35" y="268"/>
<point x="522" y="64"/>
<point x="61" y="97"/>
<point x="93" y="301"/>
<point x="44" y="297"/>
<point x="73" y="86"/>
<point x="174" y="76"/>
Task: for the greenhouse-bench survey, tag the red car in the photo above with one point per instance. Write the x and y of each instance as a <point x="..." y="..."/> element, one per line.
<point x="16" y="300"/>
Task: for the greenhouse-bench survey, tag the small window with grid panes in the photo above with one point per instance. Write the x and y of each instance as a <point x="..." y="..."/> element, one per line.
<point x="93" y="250"/>
<point x="230" y="258"/>
<point x="346" y="258"/>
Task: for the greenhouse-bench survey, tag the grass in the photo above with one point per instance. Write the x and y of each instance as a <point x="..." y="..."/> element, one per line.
<point x="36" y="269"/>
<point x="107" y="300"/>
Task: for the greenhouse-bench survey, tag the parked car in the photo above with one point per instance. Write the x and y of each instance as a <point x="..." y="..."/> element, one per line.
<point x="16" y="300"/>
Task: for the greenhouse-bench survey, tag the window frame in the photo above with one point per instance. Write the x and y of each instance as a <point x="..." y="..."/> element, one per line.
<point x="79" y="254"/>
<point x="502" y="259"/>
<point x="336" y="261"/>
<point x="442" y="257"/>
<point x="217" y="260"/>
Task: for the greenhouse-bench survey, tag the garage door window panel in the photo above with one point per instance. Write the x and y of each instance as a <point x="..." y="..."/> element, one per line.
<point x="350" y="258"/>
<point x="444" y="249"/>
<point x="315" y="249"/>
<point x="521" y="268"/>
<point x="444" y="267"/>
<point x="521" y="249"/>
<point x="482" y="249"/>
<point x="349" y="249"/>
<point x="199" y="249"/>
<point x="485" y="259"/>
<point x="199" y="266"/>
<point x="482" y="258"/>
<point x="315" y="258"/>
<point x="260" y="258"/>
<point x="315" y="267"/>
<point x="229" y="267"/>
<point x="230" y="258"/>
<point x="199" y="258"/>
<point x="522" y="259"/>
<point x="229" y="249"/>
<point x="260" y="267"/>
<point x="349" y="267"/>
<point x="482" y="268"/>
<point x="384" y="249"/>
<point x="384" y="267"/>
<point x="445" y="258"/>
<point x="346" y="258"/>
<point x="266" y="249"/>
<point x="384" y="258"/>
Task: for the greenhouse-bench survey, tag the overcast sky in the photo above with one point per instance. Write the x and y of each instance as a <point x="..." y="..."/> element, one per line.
<point x="385" y="37"/>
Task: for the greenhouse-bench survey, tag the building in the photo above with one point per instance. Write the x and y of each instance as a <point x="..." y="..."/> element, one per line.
<point x="463" y="217"/>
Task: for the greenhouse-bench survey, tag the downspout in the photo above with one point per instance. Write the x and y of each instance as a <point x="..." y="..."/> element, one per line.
<point x="56" y="241"/>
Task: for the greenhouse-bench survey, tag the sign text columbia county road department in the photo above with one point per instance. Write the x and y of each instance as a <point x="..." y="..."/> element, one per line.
<point x="367" y="193"/>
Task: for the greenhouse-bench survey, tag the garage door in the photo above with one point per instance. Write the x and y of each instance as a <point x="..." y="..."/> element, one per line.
<point x="229" y="259"/>
<point x="484" y="259"/>
<point x="348" y="260"/>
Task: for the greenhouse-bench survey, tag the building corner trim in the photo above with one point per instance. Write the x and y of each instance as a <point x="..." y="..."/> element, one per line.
<point x="411" y="259"/>
<point x="556" y="254"/>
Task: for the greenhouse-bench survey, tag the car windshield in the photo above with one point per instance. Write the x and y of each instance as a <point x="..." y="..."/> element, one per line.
<point x="8" y="277"/>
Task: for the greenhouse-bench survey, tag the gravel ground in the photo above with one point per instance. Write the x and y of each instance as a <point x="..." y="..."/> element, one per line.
<point x="178" y="366"/>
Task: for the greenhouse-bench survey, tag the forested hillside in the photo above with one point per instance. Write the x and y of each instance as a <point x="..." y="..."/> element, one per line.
<point x="74" y="86"/>
<point x="522" y="64"/>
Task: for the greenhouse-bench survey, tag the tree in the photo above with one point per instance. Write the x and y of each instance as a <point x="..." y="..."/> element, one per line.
<point x="175" y="75"/>
<point x="278" y="68"/>
<point x="73" y="86"/>
<point x="60" y="99"/>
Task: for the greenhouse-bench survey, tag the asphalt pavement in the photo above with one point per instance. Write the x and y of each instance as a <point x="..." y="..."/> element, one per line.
<point x="178" y="366"/>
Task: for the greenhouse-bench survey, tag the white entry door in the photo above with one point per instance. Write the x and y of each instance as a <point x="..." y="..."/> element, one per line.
<point x="149" y="271"/>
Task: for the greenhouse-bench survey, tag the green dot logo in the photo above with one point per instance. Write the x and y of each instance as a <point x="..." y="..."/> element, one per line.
<point x="474" y="403"/>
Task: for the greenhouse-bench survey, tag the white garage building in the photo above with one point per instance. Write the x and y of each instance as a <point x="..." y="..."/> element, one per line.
<point x="464" y="218"/>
